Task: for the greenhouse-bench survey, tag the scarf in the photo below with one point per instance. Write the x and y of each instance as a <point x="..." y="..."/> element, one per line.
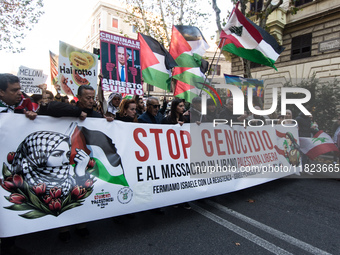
<point x="5" y="107"/>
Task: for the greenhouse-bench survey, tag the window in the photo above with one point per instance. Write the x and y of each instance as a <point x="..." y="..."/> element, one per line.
<point x="150" y="87"/>
<point x="114" y="22"/>
<point x="256" y="5"/>
<point x="134" y="30"/>
<point x="98" y="23"/>
<point x="93" y="28"/>
<point x="301" y="46"/>
<point x="254" y="65"/>
<point x="216" y="69"/>
<point x="301" y="2"/>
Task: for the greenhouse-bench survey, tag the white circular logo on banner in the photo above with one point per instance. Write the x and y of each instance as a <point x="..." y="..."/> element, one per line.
<point x="124" y="195"/>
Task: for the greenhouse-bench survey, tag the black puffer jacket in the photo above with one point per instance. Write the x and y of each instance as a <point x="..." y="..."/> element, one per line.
<point x="305" y="124"/>
<point x="60" y="109"/>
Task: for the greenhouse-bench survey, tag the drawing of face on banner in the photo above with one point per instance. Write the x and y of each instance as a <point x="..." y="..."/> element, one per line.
<point x="120" y="64"/>
<point x="41" y="177"/>
<point x="291" y="149"/>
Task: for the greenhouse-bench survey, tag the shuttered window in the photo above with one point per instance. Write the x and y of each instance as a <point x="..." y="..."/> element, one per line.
<point x="301" y="46"/>
<point x="114" y="23"/>
<point x="301" y="2"/>
<point x="216" y="69"/>
<point x="256" y="5"/>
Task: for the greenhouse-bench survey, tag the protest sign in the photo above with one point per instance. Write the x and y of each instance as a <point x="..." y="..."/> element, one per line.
<point x="55" y="169"/>
<point x="76" y="67"/>
<point x="120" y="64"/>
<point x="30" y="79"/>
<point x="54" y="68"/>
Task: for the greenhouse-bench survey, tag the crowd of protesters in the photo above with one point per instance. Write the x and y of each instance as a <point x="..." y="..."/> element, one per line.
<point x="132" y="110"/>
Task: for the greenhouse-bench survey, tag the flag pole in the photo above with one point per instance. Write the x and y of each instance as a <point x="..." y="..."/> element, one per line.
<point x="212" y="64"/>
<point x="210" y="70"/>
<point x="217" y="61"/>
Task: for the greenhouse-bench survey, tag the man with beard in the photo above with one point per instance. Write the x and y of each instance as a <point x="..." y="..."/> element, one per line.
<point x="11" y="95"/>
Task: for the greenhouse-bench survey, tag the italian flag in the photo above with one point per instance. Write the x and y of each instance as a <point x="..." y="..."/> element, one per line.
<point x="100" y="147"/>
<point x="245" y="39"/>
<point x="321" y="143"/>
<point x="187" y="47"/>
<point x="156" y="62"/>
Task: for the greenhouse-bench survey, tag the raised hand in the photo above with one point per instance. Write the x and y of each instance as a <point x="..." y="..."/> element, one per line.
<point x="81" y="159"/>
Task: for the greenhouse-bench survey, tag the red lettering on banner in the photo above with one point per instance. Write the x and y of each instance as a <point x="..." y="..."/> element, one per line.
<point x="218" y="142"/>
<point x="269" y="141"/>
<point x="246" y="135"/>
<point x="187" y="145"/>
<point x="156" y="132"/>
<point x="229" y="140"/>
<point x="244" y="148"/>
<point x="258" y="133"/>
<point x="206" y="132"/>
<point x="141" y="144"/>
<point x="168" y="136"/>
<point x="237" y="142"/>
<point x="256" y="145"/>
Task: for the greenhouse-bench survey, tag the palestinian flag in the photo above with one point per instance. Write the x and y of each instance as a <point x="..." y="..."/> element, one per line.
<point x="247" y="40"/>
<point x="126" y="96"/>
<point x="187" y="47"/>
<point x="108" y="165"/>
<point x="321" y="143"/>
<point x="189" y="82"/>
<point x="156" y="62"/>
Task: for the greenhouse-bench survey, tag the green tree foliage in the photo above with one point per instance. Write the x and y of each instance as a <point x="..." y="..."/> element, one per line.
<point x="324" y="100"/>
<point x="16" y="18"/>
<point x="155" y="18"/>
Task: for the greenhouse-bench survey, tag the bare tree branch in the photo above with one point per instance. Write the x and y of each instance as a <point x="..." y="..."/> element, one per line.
<point x="163" y="21"/>
<point x="157" y="22"/>
<point x="16" y="18"/>
<point x="180" y="19"/>
<point x="217" y="13"/>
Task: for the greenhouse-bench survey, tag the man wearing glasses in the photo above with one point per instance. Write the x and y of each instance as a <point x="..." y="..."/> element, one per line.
<point x="153" y="113"/>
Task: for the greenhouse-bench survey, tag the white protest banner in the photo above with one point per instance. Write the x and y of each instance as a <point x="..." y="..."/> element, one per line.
<point x="30" y="79"/>
<point x="76" y="67"/>
<point x="62" y="171"/>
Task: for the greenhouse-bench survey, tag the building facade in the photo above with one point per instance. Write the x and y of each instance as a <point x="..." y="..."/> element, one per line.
<point x="109" y="17"/>
<point x="311" y="38"/>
